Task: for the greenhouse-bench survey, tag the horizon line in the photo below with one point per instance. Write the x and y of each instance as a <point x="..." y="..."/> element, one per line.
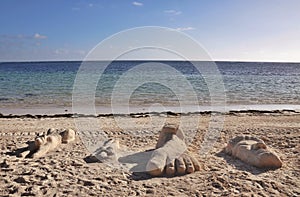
<point x="171" y="60"/>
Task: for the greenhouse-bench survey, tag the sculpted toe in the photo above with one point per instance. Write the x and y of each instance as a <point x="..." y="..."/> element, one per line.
<point x="170" y="168"/>
<point x="180" y="166"/>
<point x="189" y="165"/>
<point x="196" y="163"/>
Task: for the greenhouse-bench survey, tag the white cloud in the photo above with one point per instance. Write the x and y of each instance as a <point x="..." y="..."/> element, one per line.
<point x="184" y="28"/>
<point x="80" y="52"/>
<point x="65" y="51"/>
<point x="20" y="36"/>
<point x="15" y="37"/>
<point x="173" y="12"/>
<point x="23" y="37"/>
<point x="75" y="9"/>
<point x="39" y="36"/>
<point x="137" y="3"/>
<point x="61" y="51"/>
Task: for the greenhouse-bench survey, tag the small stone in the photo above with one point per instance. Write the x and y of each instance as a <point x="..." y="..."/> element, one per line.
<point x="4" y="164"/>
<point x="88" y="183"/>
<point x="217" y="185"/>
<point x="150" y="191"/>
<point x="20" y="180"/>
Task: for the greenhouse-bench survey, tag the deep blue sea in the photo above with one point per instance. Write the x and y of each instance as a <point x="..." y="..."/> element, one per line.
<point x="50" y="84"/>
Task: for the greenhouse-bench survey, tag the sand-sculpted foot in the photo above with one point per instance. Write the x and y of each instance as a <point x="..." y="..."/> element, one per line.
<point x="47" y="141"/>
<point x="170" y="156"/>
<point x="253" y="151"/>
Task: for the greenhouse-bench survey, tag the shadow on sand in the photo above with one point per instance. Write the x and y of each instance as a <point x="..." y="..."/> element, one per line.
<point x="19" y="151"/>
<point x="133" y="162"/>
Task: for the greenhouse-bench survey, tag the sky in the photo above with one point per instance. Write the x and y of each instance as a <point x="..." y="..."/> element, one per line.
<point x="230" y="30"/>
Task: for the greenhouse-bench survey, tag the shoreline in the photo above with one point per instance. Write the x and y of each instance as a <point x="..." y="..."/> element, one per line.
<point x="57" y="112"/>
<point x="148" y="114"/>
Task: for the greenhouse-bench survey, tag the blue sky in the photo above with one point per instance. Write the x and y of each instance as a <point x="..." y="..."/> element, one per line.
<point x="253" y="30"/>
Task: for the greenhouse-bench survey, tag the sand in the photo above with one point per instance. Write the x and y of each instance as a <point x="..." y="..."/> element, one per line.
<point x="66" y="172"/>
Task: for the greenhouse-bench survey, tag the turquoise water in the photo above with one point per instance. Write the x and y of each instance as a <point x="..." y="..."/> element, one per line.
<point x="50" y="84"/>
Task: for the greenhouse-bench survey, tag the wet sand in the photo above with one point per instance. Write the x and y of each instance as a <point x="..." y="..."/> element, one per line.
<point x="66" y="172"/>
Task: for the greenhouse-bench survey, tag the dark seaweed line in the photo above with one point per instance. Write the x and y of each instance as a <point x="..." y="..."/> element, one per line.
<point x="147" y="114"/>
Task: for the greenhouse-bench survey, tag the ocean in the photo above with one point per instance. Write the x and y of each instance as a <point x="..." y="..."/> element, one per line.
<point x="47" y="87"/>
